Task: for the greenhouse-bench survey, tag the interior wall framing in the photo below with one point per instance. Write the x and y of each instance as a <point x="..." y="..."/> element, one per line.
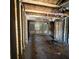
<point x="16" y="30"/>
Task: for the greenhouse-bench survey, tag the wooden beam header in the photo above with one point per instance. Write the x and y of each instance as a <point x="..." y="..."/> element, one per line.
<point x="47" y="13"/>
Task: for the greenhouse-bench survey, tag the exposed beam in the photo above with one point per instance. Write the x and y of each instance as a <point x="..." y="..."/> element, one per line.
<point x="40" y="3"/>
<point x="47" y="13"/>
<point x="41" y="18"/>
<point x="59" y="1"/>
<point x="64" y="4"/>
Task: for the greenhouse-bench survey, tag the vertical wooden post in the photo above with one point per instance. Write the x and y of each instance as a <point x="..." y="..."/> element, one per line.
<point x="16" y="28"/>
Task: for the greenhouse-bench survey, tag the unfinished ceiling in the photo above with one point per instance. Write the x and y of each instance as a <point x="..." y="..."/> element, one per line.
<point x="48" y="1"/>
<point x="56" y="2"/>
<point x="45" y="7"/>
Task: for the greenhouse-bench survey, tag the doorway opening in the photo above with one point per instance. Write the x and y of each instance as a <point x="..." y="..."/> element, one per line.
<point x="46" y="39"/>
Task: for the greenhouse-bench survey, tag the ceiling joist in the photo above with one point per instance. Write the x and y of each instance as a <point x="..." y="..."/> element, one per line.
<point x="40" y="3"/>
<point x="47" y="13"/>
